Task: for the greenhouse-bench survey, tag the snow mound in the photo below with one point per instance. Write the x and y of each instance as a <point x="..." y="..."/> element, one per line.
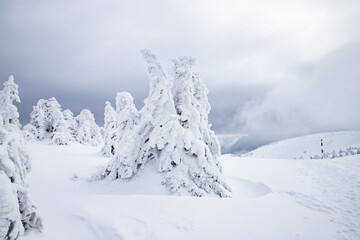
<point x="245" y="188"/>
<point x="335" y="144"/>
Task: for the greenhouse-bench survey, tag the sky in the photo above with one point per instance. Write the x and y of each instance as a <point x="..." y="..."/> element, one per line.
<point x="274" y="68"/>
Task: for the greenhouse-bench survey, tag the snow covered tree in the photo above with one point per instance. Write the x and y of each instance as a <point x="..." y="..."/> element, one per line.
<point x="160" y="137"/>
<point x="127" y="116"/>
<point x="71" y="123"/>
<point x="140" y="144"/>
<point x="37" y="119"/>
<point x="56" y="125"/>
<point x="200" y="160"/>
<point x="17" y="213"/>
<point x="88" y="131"/>
<point x="192" y="105"/>
<point x="110" y="139"/>
<point x="29" y="132"/>
<point x="49" y="122"/>
<point x="8" y="110"/>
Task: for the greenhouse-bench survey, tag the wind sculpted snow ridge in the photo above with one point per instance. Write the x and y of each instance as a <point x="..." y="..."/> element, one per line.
<point x="184" y="147"/>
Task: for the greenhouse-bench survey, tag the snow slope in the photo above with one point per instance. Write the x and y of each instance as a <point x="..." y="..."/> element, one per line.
<point x="309" y="146"/>
<point x="272" y="199"/>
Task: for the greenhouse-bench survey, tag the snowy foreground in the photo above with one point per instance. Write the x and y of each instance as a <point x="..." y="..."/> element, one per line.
<point x="272" y="199"/>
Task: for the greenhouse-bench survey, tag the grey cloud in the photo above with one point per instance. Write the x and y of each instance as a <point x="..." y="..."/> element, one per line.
<point x="83" y="52"/>
<point x="325" y="98"/>
<point x="226" y="100"/>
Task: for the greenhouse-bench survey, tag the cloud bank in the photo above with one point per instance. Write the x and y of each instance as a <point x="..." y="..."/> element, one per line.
<point x="259" y="59"/>
<point x="324" y="97"/>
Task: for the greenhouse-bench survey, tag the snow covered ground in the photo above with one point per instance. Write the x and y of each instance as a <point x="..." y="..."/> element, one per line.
<point x="273" y="199"/>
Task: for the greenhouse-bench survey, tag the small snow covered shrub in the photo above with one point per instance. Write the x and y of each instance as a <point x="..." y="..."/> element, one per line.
<point x="88" y="131"/>
<point x="60" y="138"/>
<point x="174" y="133"/>
<point x="29" y="132"/>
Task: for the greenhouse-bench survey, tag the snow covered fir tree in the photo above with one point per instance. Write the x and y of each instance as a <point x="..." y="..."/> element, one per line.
<point x="117" y="124"/>
<point x="8" y="110"/>
<point x="88" y="131"/>
<point x="108" y="148"/>
<point x="174" y="132"/>
<point x="17" y="212"/>
<point x="47" y="121"/>
<point x="71" y="123"/>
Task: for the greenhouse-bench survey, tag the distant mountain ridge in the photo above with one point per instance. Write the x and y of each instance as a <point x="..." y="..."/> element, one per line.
<point x="335" y="144"/>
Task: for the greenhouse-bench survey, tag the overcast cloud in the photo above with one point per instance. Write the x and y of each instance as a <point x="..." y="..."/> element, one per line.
<point x="274" y="68"/>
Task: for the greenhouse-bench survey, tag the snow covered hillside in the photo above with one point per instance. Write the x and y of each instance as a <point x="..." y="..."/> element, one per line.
<point x="335" y="144"/>
<point x="272" y="199"/>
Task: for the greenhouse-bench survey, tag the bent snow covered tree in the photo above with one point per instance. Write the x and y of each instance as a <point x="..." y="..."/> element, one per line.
<point x="188" y="153"/>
